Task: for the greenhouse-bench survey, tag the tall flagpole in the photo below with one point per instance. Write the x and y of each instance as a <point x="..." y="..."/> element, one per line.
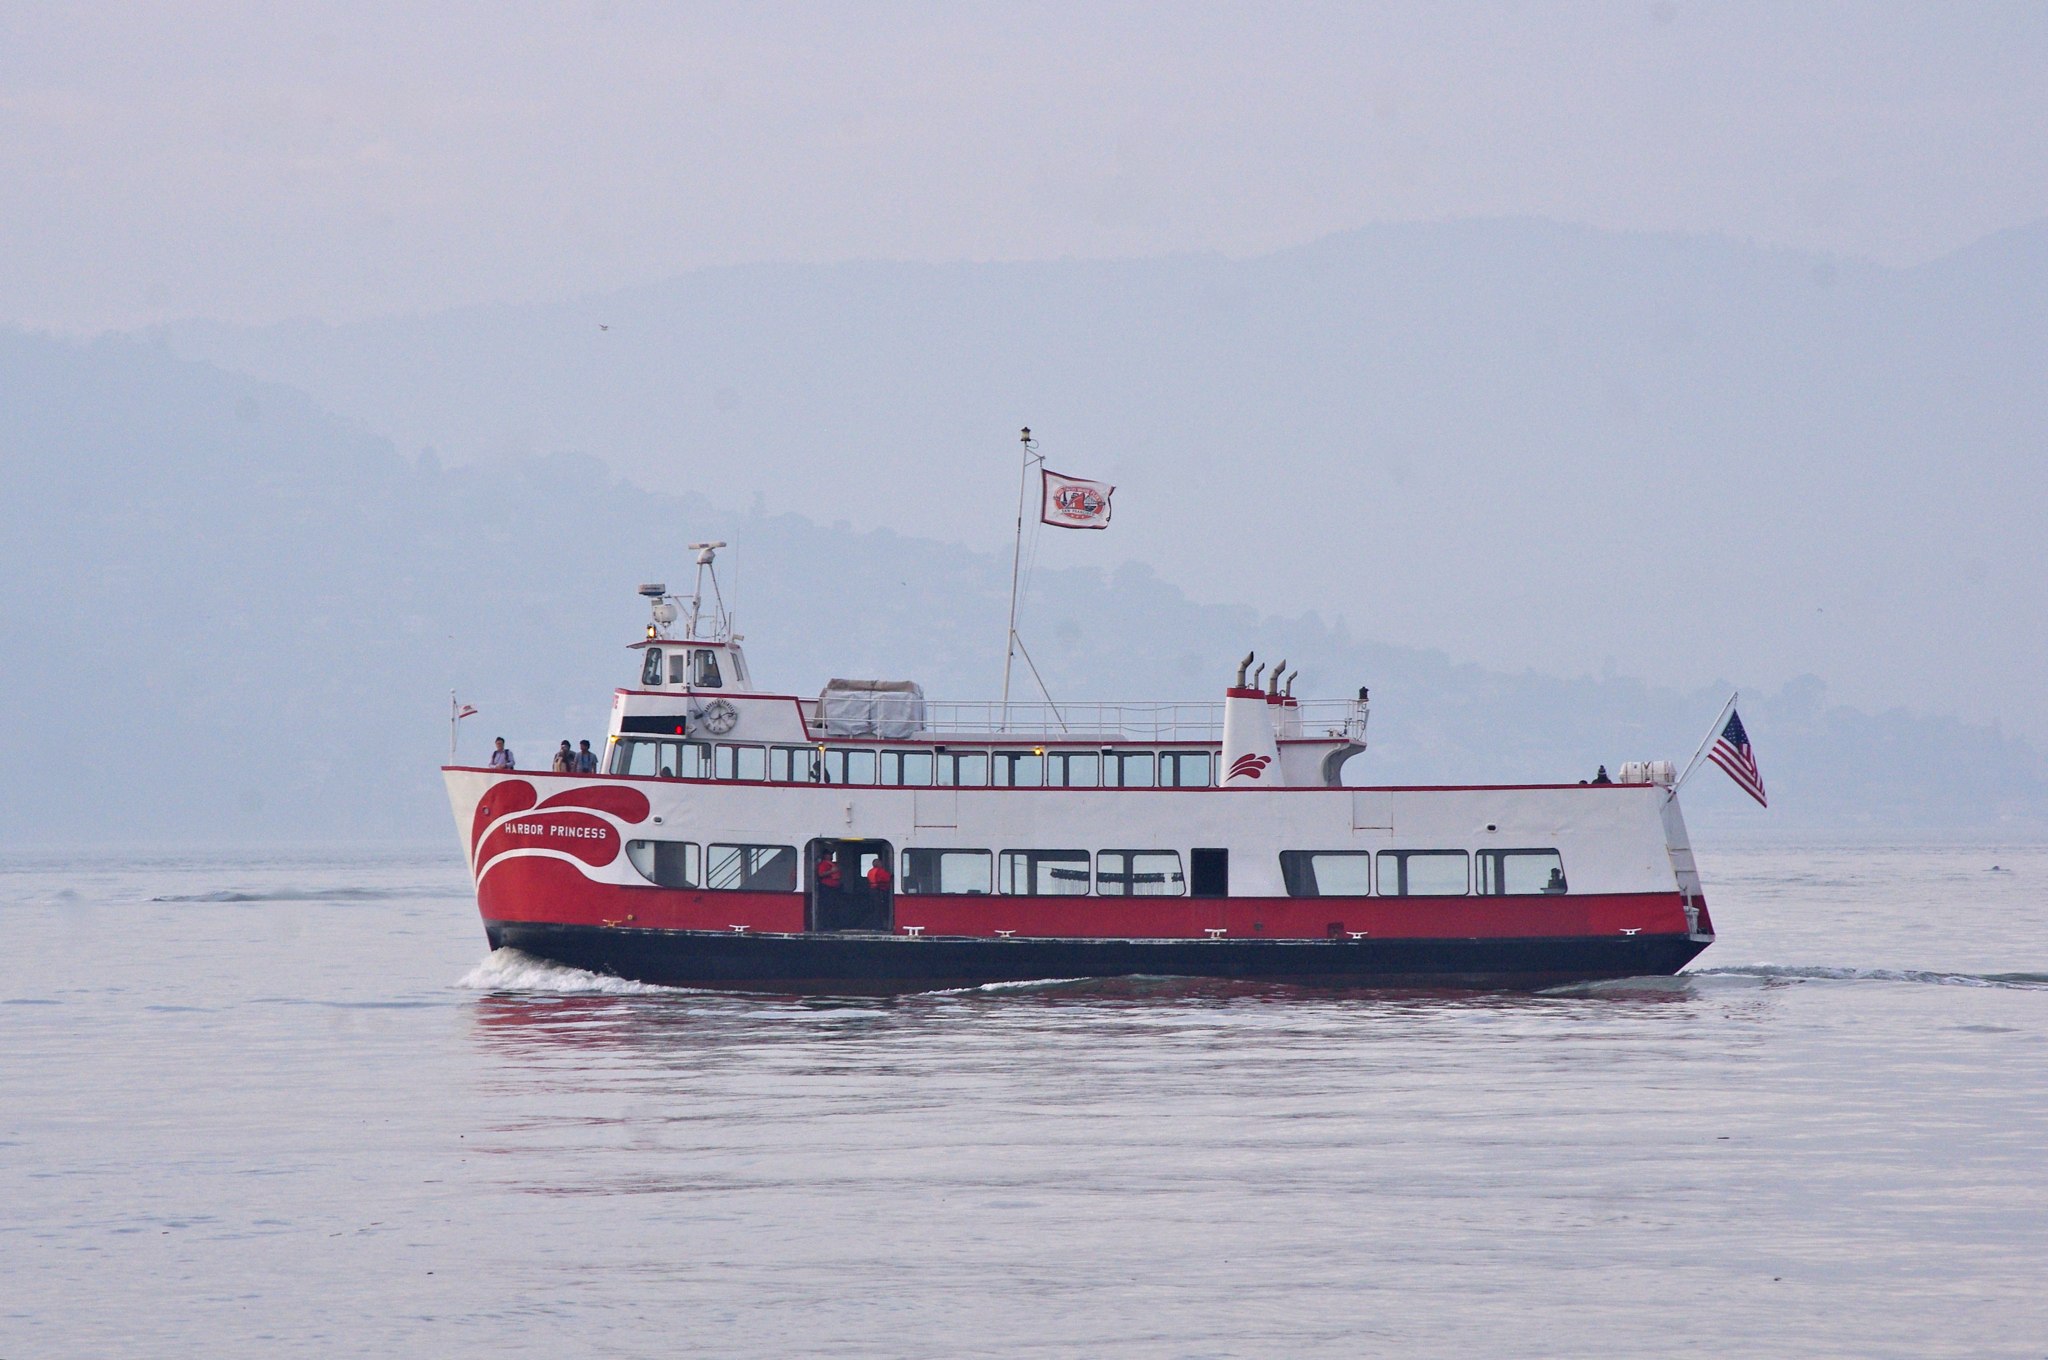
<point x="1016" y="561"/>
<point x="1712" y="732"/>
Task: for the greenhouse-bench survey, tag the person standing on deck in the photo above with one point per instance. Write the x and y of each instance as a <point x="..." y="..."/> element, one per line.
<point x="501" y="758"/>
<point x="565" y="759"/>
<point x="586" y="759"/>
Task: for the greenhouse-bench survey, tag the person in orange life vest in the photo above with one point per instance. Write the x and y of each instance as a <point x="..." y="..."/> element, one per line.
<point x="827" y="873"/>
<point x="878" y="876"/>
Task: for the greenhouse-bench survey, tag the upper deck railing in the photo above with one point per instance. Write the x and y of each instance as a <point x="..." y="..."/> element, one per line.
<point x="1322" y="719"/>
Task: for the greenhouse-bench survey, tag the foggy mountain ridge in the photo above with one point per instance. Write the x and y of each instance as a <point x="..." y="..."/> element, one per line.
<point x="1524" y="442"/>
<point x="236" y="615"/>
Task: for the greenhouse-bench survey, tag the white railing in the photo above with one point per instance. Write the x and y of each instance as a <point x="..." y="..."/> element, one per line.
<point x="1324" y="719"/>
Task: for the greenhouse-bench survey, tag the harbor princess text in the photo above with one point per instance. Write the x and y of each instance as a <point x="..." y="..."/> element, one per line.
<point x="869" y="837"/>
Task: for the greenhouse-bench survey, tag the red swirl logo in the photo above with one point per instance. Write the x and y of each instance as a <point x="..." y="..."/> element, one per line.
<point x="512" y="818"/>
<point x="1250" y="765"/>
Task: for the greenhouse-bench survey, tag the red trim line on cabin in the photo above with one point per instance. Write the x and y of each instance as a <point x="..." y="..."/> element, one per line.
<point x="1006" y="788"/>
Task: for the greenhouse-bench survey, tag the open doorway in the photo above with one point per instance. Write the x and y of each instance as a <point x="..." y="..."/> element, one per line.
<point x="853" y="885"/>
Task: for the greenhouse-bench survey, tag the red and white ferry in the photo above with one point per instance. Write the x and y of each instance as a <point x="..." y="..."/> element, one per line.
<point x="870" y="838"/>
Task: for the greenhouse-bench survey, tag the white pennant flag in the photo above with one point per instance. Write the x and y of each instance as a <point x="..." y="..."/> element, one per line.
<point x="1071" y="503"/>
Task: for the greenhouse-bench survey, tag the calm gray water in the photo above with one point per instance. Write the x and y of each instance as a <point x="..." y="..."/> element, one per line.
<point x="287" y="1106"/>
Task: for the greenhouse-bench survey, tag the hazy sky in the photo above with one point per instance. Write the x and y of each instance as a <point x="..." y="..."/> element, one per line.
<point x="255" y="161"/>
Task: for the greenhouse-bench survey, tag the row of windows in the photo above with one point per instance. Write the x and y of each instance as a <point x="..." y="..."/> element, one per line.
<point x="1421" y="873"/>
<point x="723" y="868"/>
<point x="1116" y="873"/>
<point x="675" y="759"/>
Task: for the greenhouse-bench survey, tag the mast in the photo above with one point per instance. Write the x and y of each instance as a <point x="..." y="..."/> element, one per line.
<point x="1016" y="560"/>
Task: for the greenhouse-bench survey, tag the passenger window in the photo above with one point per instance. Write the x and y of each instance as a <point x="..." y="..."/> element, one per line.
<point x="707" y="670"/>
<point x="784" y="762"/>
<point x="1516" y="873"/>
<point x="912" y="769"/>
<point x="635" y="757"/>
<point x="750" y="762"/>
<point x="1019" y="769"/>
<point x="1043" y="873"/>
<point x="966" y="769"/>
<point x="1326" y="873"/>
<point x="1132" y="769"/>
<point x="750" y="868"/>
<point x="860" y="767"/>
<point x="1184" y="769"/>
<point x="693" y="760"/>
<point x="668" y="864"/>
<point x="1074" y="770"/>
<point x="947" y="871"/>
<point x="1139" y="873"/>
<point x="1424" y="873"/>
<point x="726" y="757"/>
<point x="650" y="668"/>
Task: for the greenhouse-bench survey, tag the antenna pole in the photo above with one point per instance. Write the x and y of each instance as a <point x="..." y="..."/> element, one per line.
<point x="454" y="720"/>
<point x="1016" y="560"/>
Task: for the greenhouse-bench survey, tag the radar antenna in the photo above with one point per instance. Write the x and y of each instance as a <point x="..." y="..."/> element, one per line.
<point x="717" y="626"/>
<point x="699" y="623"/>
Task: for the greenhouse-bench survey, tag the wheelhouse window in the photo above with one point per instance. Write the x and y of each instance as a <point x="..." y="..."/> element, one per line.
<point x="1074" y="769"/>
<point x="704" y="669"/>
<point x="1326" y="873"/>
<point x="966" y="769"/>
<point x="1043" y="873"/>
<point x="1185" y="769"/>
<point x="668" y="864"/>
<point x="1130" y="769"/>
<point x="1518" y="873"/>
<point x="1139" y="873"/>
<point x="1424" y="873"/>
<point x="750" y="868"/>
<point x="947" y="871"/>
<point x="650" y="668"/>
<point x="1019" y="769"/>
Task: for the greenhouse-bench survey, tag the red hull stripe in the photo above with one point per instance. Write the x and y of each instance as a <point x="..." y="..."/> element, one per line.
<point x="547" y="890"/>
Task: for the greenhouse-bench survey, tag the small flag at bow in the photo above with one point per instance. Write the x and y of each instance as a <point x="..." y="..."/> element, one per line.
<point x="466" y="711"/>
<point x="1731" y="752"/>
<point x="1071" y="503"/>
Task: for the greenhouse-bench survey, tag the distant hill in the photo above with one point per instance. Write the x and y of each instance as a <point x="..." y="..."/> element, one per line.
<point x="233" y="615"/>
<point x="1531" y="445"/>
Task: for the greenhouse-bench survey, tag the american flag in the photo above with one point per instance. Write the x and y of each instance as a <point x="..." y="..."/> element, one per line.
<point x="1732" y="754"/>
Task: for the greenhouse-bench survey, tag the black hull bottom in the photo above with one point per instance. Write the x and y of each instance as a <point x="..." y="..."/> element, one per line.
<point x="877" y="962"/>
